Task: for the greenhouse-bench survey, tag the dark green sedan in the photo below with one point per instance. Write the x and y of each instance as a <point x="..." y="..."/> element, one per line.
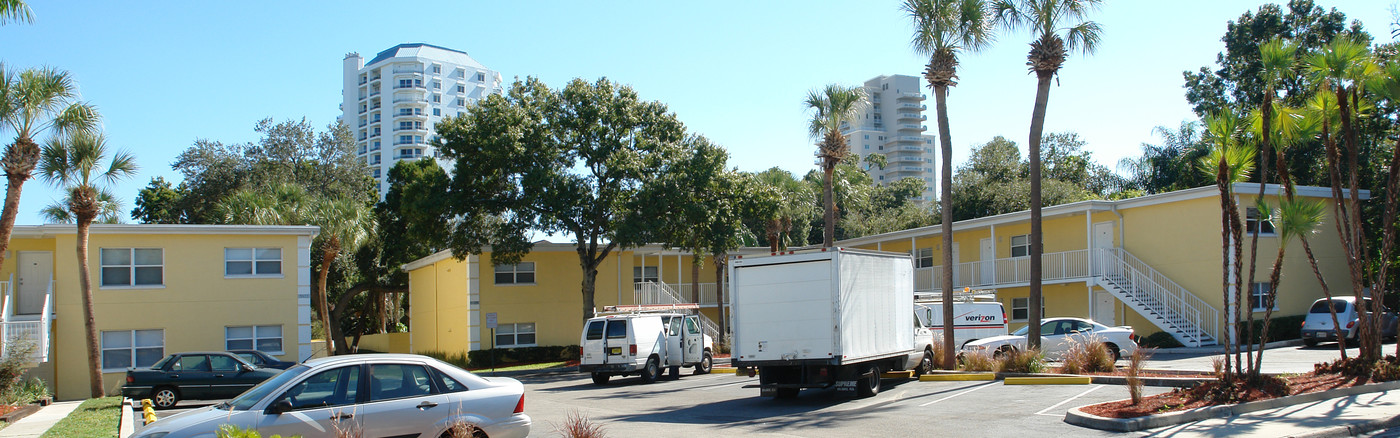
<point x="199" y="375"/>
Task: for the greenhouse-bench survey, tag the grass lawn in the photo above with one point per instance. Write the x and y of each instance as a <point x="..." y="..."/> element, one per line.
<point x="96" y="417"/>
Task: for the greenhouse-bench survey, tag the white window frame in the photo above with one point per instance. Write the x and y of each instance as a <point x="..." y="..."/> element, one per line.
<point x="130" y="349"/>
<point x="1026" y="246"/>
<point x="254" y="260"/>
<point x="131" y="284"/>
<point x="281" y="337"/>
<point x="515" y="271"/>
<point x="513" y="330"/>
<point x="1027" y="308"/>
<point x="1253" y="219"/>
<point x="642" y="274"/>
<point x="1259" y="293"/>
<point x="923" y="258"/>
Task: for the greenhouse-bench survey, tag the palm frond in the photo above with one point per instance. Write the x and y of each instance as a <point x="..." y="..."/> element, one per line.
<point x="16" y="11"/>
<point x="1298" y="217"/>
<point x="56" y="213"/>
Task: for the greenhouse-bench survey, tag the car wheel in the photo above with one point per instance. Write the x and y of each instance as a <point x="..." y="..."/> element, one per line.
<point x="1113" y="351"/>
<point x="600" y="378"/>
<point x="651" y="371"/>
<point x="676" y="372"/>
<point x="165" y="397"/>
<point x="1002" y="351"/>
<point x="869" y="386"/>
<point x="1310" y="343"/>
<point x="925" y="365"/>
<point x="707" y="363"/>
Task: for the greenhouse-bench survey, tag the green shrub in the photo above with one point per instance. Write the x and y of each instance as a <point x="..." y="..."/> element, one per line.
<point x="1281" y="328"/>
<point x="1160" y="340"/>
<point x="25" y="392"/>
<point x="1021" y="361"/>
<point x="483" y="358"/>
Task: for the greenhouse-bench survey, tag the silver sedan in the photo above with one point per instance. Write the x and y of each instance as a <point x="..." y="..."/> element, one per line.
<point x="1058" y="334"/>
<point x="377" y="394"/>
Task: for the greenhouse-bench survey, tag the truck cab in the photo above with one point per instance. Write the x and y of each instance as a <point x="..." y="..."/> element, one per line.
<point x="642" y="344"/>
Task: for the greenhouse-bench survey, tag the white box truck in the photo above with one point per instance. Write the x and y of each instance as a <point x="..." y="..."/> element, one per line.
<point x="820" y="319"/>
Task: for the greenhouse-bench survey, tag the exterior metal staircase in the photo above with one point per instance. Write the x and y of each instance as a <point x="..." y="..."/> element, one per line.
<point x="656" y="293"/>
<point x="1151" y="294"/>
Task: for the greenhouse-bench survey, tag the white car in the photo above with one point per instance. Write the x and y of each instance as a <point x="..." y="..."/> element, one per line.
<point x="1058" y="334"/>
<point x="378" y="394"/>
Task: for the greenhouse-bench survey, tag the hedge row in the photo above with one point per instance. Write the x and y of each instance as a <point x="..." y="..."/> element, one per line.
<point x="483" y="358"/>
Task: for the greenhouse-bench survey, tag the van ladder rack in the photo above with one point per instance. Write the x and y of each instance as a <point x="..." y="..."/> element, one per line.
<point x="646" y="308"/>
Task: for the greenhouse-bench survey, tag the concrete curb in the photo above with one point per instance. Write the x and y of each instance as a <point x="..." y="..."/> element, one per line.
<point x="1221" y="349"/>
<point x="961" y="377"/>
<point x="1078" y="417"/>
<point x="1354" y="429"/>
<point x="127" y="425"/>
<point x="1059" y="380"/>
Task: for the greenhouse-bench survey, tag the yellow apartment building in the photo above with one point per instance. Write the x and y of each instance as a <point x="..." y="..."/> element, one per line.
<point x="157" y="289"/>
<point x="1152" y="262"/>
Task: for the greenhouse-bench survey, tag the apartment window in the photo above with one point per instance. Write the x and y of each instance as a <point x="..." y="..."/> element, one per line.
<point x="867" y="136"/>
<point x="132" y="266"/>
<point x="642" y="274"/>
<point x="437" y="98"/>
<point x="376" y="173"/>
<point x="1259" y="296"/>
<point x="252" y="261"/>
<point x="1021" y="309"/>
<point x="515" y="335"/>
<point x="923" y="258"/>
<point x="1021" y="245"/>
<point x="867" y="147"/>
<point x="437" y="112"/>
<point x="461" y="102"/>
<point x="265" y="338"/>
<point x="519" y="273"/>
<point x="437" y="68"/>
<point x="437" y="85"/>
<point x="1253" y="221"/>
<point x="122" y="349"/>
<point x="481" y="77"/>
<point x="461" y="88"/>
<point x="410" y="125"/>
<point x="374" y="146"/>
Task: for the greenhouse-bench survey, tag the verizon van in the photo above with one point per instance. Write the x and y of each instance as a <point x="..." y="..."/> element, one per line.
<point x="642" y="343"/>
<point x="823" y="319"/>
<point x="975" y="316"/>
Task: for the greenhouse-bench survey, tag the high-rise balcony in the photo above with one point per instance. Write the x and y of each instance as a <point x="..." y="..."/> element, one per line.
<point x="912" y="96"/>
<point x="908" y="127"/>
<point x="410" y="99"/>
<point x="910" y="117"/>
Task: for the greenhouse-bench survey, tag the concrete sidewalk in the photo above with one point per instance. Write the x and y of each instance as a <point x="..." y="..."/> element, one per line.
<point x="39" y="422"/>
<point x="1343" y="416"/>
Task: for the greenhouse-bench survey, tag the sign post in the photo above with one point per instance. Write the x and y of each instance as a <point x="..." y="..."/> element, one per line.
<point x="491" y="324"/>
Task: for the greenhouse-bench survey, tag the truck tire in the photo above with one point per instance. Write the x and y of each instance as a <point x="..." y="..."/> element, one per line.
<point x="651" y="371"/>
<point x="1310" y="343"/>
<point x="675" y="372"/>
<point x="787" y="393"/>
<point x="869" y="383"/>
<point x="926" y="365"/>
<point x="600" y="378"/>
<point x="707" y="363"/>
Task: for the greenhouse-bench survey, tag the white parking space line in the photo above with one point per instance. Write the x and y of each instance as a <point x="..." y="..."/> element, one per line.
<point x="1056" y="405"/>
<point x="958" y="394"/>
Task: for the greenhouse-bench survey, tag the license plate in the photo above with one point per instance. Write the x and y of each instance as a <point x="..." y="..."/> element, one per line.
<point x="615" y="351"/>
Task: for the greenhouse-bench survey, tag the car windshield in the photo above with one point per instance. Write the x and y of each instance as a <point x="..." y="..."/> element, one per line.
<point x="251" y="397"/>
<point x="1022" y="331"/>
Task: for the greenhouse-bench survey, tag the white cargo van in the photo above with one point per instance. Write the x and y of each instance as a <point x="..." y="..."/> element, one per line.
<point x="973" y="319"/>
<point x="642" y="343"/>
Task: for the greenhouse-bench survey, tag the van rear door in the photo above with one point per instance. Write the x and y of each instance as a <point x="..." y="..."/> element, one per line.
<point x="593" y="350"/>
<point x="694" y="350"/>
<point x="615" y="341"/>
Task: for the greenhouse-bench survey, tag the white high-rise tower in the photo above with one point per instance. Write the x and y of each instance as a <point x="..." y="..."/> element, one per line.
<point x="392" y="102"/>
<point x="893" y="125"/>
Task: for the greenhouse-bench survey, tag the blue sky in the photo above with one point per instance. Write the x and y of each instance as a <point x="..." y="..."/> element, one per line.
<point x="165" y="73"/>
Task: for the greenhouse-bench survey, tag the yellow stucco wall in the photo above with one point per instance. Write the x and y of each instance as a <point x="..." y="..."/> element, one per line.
<point x="193" y="306"/>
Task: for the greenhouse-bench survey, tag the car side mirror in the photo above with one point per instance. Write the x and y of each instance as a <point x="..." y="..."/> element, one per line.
<point x="246" y="367"/>
<point x="279" y="407"/>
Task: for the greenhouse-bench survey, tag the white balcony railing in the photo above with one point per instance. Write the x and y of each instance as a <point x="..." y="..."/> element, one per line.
<point x="25" y="331"/>
<point x="1057" y="266"/>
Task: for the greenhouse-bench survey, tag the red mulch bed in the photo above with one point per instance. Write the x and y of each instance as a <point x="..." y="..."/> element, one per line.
<point x="1121" y="373"/>
<point x="1184" y="399"/>
<point x="5" y="409"/>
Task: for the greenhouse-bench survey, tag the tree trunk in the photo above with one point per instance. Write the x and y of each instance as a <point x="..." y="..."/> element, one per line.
<point x="1266" y="131"/>
<point x="945" y="203"/>
<point x="829" y="219"/>
<point x="1232" y="328"/>
<point x="95" y="385"/>
<point x="26" y="151"/>
<point x="1042" y="98"/>
<point x="344" y="301"/>
<point x="1356" y="257"/>
<point x="1341" y="345"/>
<point x="322" y="311"/>
<point x="1268" y="313"/>
<point x="721" y="260"/>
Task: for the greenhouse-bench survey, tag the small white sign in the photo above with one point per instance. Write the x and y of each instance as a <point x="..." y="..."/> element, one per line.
<point x="491" y="320"/>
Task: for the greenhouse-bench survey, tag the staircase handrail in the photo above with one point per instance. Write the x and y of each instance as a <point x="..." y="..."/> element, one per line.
<point x="1176" y="298"/>
<point x="663" y="290"/>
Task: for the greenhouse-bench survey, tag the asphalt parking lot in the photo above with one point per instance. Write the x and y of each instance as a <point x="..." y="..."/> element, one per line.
<point x="719" y="405"/>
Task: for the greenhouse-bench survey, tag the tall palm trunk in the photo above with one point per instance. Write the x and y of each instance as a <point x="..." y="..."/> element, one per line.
<point x="95" y="385"/>
<point x="1267" y="111"/>
<point x="1268" y="311"/>
<point x="333" y="335"/>
<point x="1348" y="222"/>
<point x="18" y="163"/>
<point x="1391" y="204"/>
<point x="1042" y="98"/>
<point x="1337" y="327"/>
<point x="1222" y="183"/>
<point x="945" y="202"/>
<point x="829" y="217"/>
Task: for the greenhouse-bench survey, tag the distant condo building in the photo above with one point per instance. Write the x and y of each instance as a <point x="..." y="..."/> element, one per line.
<point x="392" y="102"/>
<point x="893" y="125"/>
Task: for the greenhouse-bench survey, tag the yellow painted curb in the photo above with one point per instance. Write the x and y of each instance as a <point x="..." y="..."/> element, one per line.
<point x="897" y="375"/>
<point x="1067" y="380"/>
<point x="722" y="370"/>
<point x="956" y="377"/>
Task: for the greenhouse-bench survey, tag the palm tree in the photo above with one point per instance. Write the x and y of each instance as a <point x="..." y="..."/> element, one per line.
<point x="1295" y="218"/>
<point x="835" y="107"/>
<point x="109" y="210"/>
<point x="1045" y="20"/>
<point x="1230" y="162"/>
<point x="73" y="162"/>
<point x="345" y="226"/>
<point x="942" y="28"/>
<point x="15" y="10"/>
<point x="32" y="102"/>
<point x="1385" y="84"/>
<point x="793" y="205"/>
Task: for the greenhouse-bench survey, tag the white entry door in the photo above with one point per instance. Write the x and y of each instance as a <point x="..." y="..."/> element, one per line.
<point x="35" y="271"/>
<point x="1103" y="240"/>
<point x="1103" y="308"/>
<point x="988" y="257"/>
